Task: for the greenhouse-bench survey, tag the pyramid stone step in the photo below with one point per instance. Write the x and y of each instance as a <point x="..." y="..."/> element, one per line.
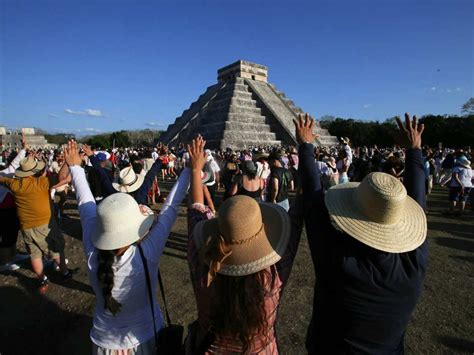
<point x="245" y="110"/>
<point x="244" y="144"/>
<point x="245" y="126"/>
<point x="236" y="117"/>
<point x="242" y="95"/>
<point x="250" y="135"/>
<point x="234" y="101"/>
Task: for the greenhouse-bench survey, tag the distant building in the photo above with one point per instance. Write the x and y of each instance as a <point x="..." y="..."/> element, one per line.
<point x="12" y="139"/>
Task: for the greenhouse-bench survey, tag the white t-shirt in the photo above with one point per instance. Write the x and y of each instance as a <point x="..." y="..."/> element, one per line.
<point x="215" y="169"/>
<point x="464" y="174"/>
<point x="133" y="325"/>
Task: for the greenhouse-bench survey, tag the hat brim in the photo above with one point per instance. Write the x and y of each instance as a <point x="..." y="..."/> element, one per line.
<point x="39" y="167"/>
<point x="272" y="243"/>
<point x="129" y="188"/>
<point x="127" y="234"/>
<point x="403" y="236"/>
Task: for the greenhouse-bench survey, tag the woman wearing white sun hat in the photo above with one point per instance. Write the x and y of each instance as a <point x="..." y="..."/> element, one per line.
<point x="368" y="244"/>
<point x="112" y="235"/>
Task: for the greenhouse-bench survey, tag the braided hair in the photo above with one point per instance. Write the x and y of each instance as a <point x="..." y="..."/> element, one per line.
<point x="105" y="275"/>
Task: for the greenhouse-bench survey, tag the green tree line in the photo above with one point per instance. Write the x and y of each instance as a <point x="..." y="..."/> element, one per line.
<point x="452" y="131"/>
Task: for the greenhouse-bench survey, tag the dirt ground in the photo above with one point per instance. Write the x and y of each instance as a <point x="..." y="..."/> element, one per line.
<point x="59" y="322"/>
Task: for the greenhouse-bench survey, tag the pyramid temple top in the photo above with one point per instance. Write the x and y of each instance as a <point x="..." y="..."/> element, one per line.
<point x="243" y="69"/>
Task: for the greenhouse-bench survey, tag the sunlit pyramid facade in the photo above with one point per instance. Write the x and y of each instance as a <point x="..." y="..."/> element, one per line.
<point x="241" y="110"/>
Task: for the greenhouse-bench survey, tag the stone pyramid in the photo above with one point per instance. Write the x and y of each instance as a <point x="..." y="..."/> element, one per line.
<point x="241" y="110"/>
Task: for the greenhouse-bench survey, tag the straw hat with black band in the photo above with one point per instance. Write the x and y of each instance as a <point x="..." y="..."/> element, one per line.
<point x="29" y="167"/>
<point x="246" y="238"/>
<point x="378" y="213"/>
<point x="463" y="161"/>
<point x="129" y="181"/>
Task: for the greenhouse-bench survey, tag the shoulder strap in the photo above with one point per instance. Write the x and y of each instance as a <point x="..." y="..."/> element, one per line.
<point x="162" y="290"/>
<point x="150" y="294"/>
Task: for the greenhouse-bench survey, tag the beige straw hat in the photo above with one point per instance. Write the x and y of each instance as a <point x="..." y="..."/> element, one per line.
<point x="28" y="167"/>
<point x="252" y="236"/>
<point x="119" y="222"/>
<point x="129" y="181"/>
<point x="378" y="212"/>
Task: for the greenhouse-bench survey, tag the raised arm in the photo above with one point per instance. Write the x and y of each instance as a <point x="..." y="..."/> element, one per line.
<point x="197" y="211"/>
<point x="10" y="169"/>
<point x="142" y="192"/>
<point x="85" y="200"/>
<point x="156" y="239"/>
<point x="309" y="174"/>
<point x="409" y="136"/>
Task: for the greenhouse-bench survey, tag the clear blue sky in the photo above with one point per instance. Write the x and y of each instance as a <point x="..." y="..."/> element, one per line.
<point x="81" y="66"/>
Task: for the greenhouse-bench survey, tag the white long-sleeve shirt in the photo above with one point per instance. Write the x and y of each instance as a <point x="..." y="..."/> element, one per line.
<point x="9" y="171"/>
<point x="133" y="325"/>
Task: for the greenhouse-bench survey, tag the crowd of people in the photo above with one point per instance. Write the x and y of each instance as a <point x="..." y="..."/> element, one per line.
<point x="363" y="209"/>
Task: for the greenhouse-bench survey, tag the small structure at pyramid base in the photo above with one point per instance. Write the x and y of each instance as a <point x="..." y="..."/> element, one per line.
<point x="241" y="110"/>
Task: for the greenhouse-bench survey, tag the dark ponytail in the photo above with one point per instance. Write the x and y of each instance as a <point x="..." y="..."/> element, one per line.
<point x="105" y="275"/>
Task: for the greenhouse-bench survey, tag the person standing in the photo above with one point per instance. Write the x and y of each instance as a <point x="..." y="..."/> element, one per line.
<point x="369" y="250"/>
<point x="281" y="181"/>
<point x="42" y="236"/>
<point x="123" y="323"/>
<point x="240" y="263"/>
<point x="460" y="185"/>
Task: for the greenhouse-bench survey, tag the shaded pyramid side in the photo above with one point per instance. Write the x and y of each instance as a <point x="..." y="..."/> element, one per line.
<point x="229" y="118"/>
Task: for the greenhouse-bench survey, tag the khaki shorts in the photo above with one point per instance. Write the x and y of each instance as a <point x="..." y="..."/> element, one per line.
<point x="46" y="239"/>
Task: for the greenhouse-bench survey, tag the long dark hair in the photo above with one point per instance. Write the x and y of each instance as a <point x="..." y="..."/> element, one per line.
<point x="105" y="275"/>
<point x="240" y="309"/>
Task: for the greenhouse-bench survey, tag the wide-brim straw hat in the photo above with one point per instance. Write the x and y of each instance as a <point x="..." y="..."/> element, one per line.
<point x="378" y="213"/>
<point x="29" y="167"/>
<point x="129" y="181"/>
<point x="119" y="222"/>
<point x="464" y="162"/>
<point x="257" y="234"/>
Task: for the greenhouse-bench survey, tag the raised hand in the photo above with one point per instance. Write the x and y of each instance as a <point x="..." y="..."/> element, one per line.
<point x="87" y="150"/>
<point x="196" y="152"/>
<point x="24" y="145"/>
<point x="71" y="154"/>
<point x="305" y="129"/>
<point x="409" y="135"/>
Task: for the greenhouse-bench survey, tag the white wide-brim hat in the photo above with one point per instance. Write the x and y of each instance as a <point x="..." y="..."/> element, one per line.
<point x="119" y="222"/>
<point x="378" y="213"/>
<point x="129" y="181"/>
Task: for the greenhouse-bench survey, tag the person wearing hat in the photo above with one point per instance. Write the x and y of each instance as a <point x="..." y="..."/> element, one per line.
<point x="281" y="181"/>
<point x="369" y="248"/>
<point x="98" y="175"/>
<point x="113" y="234"/>
<point x="129" y="181"/>
<point x="9" y="231"/>
<point x="239" y="263"/>
<point x="230" y="170"/>
<point x="248" y="183"/>
<point x="42" y="236"/>
<point x="460" y="185"/>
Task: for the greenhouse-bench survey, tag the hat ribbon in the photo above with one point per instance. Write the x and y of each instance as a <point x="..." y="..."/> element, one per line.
<point x="217" y="250"/>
